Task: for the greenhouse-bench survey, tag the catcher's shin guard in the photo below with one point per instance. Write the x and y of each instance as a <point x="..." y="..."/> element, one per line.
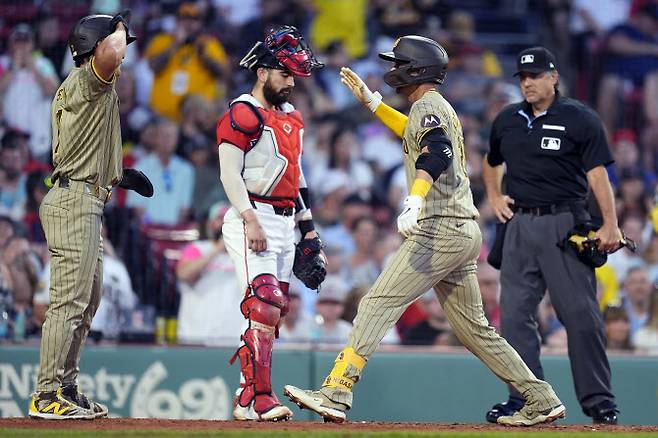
<point x="263" y="308"/>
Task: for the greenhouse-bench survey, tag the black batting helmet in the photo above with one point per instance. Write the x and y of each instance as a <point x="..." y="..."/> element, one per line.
<point x="417" y="60"/>
<point x="88" y="32"/>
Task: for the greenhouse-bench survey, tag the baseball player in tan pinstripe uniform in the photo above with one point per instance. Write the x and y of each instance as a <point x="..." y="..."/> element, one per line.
<point x="441" y="247"/>
<point x="87" y="156"/>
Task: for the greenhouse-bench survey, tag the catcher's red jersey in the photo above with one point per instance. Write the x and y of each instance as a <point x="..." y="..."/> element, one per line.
<point x="272" y="151"/>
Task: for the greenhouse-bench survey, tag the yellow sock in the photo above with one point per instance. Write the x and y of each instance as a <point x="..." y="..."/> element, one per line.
<point x="337" y="378"/>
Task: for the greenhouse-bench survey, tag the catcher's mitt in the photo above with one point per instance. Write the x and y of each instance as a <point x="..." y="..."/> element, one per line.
<point x="310" y="265"/>
<point x="582" y="239"/>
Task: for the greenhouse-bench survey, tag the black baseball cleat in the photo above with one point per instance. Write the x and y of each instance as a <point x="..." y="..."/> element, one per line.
<point x="504" y="409"/>
<point x="603" y="413"/>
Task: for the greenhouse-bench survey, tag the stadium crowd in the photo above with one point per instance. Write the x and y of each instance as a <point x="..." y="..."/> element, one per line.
<point x="167" y="276"/>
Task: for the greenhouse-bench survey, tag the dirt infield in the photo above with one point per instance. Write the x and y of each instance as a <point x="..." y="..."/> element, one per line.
<point x="190" y="425"/>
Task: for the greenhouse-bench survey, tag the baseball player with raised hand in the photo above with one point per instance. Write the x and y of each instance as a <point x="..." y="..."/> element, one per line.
<point x="87" y="156"/>
<point x="260" y="148"/>
<point x="441" y="247"/>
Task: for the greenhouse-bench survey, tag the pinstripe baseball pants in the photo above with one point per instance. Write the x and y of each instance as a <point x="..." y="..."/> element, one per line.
<point x="442" y="256"/>
<point x="72" y="224"/>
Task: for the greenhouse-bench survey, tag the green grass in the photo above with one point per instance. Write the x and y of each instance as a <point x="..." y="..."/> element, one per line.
<point x="63" y="433"/>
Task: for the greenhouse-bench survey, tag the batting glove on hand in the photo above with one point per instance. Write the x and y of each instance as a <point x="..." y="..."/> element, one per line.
<point x="408" y="219"/>
<point x="359" y="89"/>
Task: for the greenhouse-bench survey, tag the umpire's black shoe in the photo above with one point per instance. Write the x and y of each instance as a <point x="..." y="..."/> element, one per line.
<point x="603" y="413"/>
<point x="503" y="409"/>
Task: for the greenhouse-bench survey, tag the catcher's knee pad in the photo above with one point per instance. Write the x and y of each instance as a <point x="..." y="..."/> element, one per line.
<point x="346" y="371"/>
<point x="266" y="302"/>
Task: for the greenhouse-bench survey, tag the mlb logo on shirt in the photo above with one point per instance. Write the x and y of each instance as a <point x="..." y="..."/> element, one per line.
<point x="550" y="143"/>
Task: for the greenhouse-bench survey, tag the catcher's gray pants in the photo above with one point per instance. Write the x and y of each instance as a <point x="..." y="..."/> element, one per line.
<point x="532" y="262"/>
<point x="442" y="256"/>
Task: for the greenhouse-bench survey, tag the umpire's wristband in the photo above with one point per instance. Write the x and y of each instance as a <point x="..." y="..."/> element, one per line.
<point x="306" y="227"/>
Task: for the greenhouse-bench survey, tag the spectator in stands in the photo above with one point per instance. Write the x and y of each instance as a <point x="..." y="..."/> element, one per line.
<point x="353" y="207"/>
<point x="296" y="326"/>
<point x="36" y="190"/>
<point x="20" y="273"/>
<point x="435" y="330"/>
<point x="632" y="52"/>
<point x="48" y="40"/>
<point x="118" y="300"/>
<point x="461" y="30"/>
<point x="172" y="178"/>
<point x="340" y="20"/>
<point x="624" y="259"/>
<point x="132" y="116"/>
<point x="336" y="56"/>
<point x="363" y="269"/>
<point x="188" y="61"/>
<point x="210" y="299"/>
<point x="617" y="329"/>
<point x="636" y="295"/>
<point x="28" y="82"/>
<point x="13" y="190"/>
<point x="646" y="338"/>
<point x="344" y="154"/>
<point x="328" y="327"/>
<point x="633" y="199"/>
<point x="628" y="160"/>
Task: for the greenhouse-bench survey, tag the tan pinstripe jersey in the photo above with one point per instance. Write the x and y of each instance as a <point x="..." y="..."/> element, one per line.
<point x="86" y="128"/>
<point x="450" y="195"/>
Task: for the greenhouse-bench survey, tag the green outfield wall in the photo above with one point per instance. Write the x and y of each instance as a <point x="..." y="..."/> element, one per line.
<point x="191" y="383"/>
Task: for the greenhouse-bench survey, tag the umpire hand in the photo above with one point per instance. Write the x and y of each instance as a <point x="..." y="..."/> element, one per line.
<point x="500" y="205"/>
<point x="133" y="179"/>
<point x="609" y="237"/>
<point x="359" y="89"/>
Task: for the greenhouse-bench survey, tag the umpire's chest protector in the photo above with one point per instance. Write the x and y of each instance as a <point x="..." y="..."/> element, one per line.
<point x="272" y="160"/>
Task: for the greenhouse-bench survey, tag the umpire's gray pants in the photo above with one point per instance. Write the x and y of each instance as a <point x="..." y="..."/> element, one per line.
<point x="532" y="262"/>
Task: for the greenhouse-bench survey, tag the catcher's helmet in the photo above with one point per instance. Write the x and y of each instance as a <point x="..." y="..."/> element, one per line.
<point x="284" y="48"/>
<point x="417" y="60"/>
<point x="88" y="32"/>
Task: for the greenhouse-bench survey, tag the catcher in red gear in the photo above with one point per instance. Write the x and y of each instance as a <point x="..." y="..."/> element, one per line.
<point x="260" y="148"/>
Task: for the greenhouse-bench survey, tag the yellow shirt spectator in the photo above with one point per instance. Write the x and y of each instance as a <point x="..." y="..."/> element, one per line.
<point x="340" y="20"/>
<point x="185" y="72"/>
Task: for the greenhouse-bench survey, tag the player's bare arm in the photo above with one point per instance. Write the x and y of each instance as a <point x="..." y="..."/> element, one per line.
<point x="110" y="52"/>
<point x="493" y="179"/>
<point x="609" y="234"/>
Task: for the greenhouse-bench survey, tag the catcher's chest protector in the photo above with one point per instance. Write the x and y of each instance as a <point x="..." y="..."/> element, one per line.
<point x="271" y="164"/>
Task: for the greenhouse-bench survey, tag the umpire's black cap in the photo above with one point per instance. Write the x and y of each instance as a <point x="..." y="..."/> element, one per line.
<point x="535" y="60"/>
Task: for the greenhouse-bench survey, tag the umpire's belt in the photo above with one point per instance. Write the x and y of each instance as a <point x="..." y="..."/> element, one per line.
<point x="281" y="211"/>
<point x="102" y="193"/>
<point x="543" y="210"/>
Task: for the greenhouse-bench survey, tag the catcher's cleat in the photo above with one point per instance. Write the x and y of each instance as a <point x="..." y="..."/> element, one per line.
<point x="317" y="402"/>
<point x="52" y="405"/>
<point x="70" y="392"/>
<point x="528" y="416"/>
<point x="276" y="413"/>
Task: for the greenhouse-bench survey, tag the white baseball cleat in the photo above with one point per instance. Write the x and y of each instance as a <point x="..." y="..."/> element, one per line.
<point x="316" y="402"/>
<point x="248" y="413"/>
<point x="528" y="416"/>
